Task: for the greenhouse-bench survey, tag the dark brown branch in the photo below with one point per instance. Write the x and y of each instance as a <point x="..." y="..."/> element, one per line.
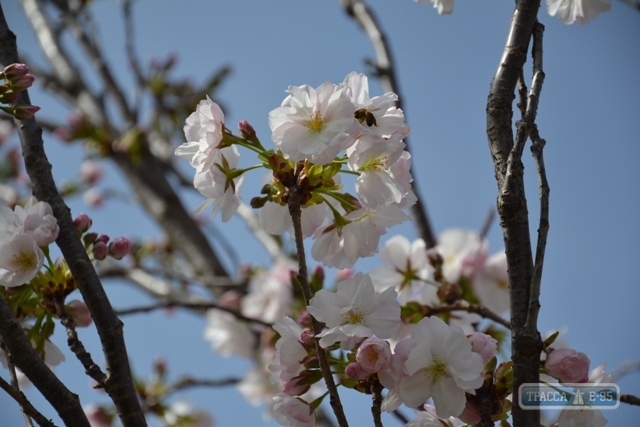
<point x="25" y="405"/>
<point x="191" y="305"/>
<point x="470" y="308"/>
<point x="400" y="416"/>
<point x="630" y="399"/>
<point x="66" y="403"/>
<point x="14" y="380"/>
<point x="295" y="195"/>
<point x="488" y="221"/>
<point x="385" y="70"/>
<point x="90" y="367"/>
<point x="512" y="204"/>
<point x="134" y="63"/>
<point x="376" y="399"/>
<point x="634" y="4"/>
<point x="119" y="384"/>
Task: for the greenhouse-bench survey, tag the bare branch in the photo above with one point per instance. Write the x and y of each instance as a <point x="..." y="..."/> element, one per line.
<point x="470" y="308"/>
<point x="385" y="70"/>
<point x="90" y="367"/>
<point x="192" y="305"/>
<point x="134" y="63"/>
<point x="630" y="399"/>
<point x="66" y="403"/>
<point x="25" y="405"/>
<point x="491" y="214"/>
<point x="512" y="204"/>
<point x="376" y="398"/>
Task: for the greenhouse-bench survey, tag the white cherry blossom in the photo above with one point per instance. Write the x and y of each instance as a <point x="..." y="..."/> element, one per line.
<point x="445" y="7"/>
<point x="20" y="259"/>
<point x="580" y="11"/>
<point x="229" y="336"/>
<point x="290" y="411"/>
<point x="314" y="124"/>
<point x="204" y="131"/>
<point x="464" y="253"/>
<point x="355" y="311"/>
<point x="442" y="366"/>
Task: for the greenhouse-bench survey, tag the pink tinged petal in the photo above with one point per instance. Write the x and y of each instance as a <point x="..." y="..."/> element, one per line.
<point x="357" y="330"/>
<point x="419" y="358"/>
<point x="274" y="218"/>
<point x="324" y="308"/>
<point x="414" y="390"/>
<point x="395" y="252"/>
<point x="448" y="399"/>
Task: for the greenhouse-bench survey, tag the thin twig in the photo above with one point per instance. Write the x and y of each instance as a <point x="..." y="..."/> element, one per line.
<point x="14" y="380"/>
<point x="486" y="226"/>
<point x="186" y="383"/>
<point x="134" y="63"/>
<point x="471" y="308"/>
<point x="385" y="70"/>
<point x="76" y="346"/>
<point x="295" y="195"/>
<point x="522" y="93"/>
<point x="193" y="305"/>
<point x="26" y="406"/>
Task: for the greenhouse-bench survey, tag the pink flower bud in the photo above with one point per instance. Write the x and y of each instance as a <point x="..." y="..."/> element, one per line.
<point x="247" y="131"/>
<point x="15" y="71"/>
<point x="79" y="312"/>
<point x="9" y="97"/>
<point x="22" y="83"/>
<point x="297" y="386"/>
<point x="89" y="238"/>
<point x="483" y="344"/>
<point x="93" y="197"/>
<point x="120" y="247"/>
<point x="307" y="338"/>
<point x="100" y="251"/>
<point x="470" y="414"/>
<point x="103" y="238"/>
<point x="568" y="365"/>
<point x="304" y="319"/>
<point x="374" y="355"/>
<point x="24" y="112"/>
<point x="90" y="171"/>
<point x="355" y="372"/>
<point x="82" y="223"/>
<point x="97" y="416"/>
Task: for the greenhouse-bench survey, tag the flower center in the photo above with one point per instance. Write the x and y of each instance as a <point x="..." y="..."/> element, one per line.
<point x="353" y="316"/>
<point x="316" y="123"/>
<point x="436" y="370"/>
<point x="23" y="261"/>
<point x="377" y="164"/>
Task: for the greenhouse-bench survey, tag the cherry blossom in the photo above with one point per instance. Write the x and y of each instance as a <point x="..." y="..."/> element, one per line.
<point x="442" y="366"/>
<point x="387" y="119"/>
<point x="491" y="283"/>
<point x="464" y="253"/>
<point x="373" y="355"/>
<point x="204" y="131"/>
<point x="405" y="268"/>
<point x="213" y="183"/>
<point x="290" y="352"/>
<point x="429" y="418"/>
<point x="568" y="365"/>
<point x="275" y="219"/>
<point x="445" y="7"/>
<point x="269" y="294"/>
<point x="290" y="411"/>
<point x="342" y="247"/>
<point x="20" y="259"/>
<point x="580" y="11"/>
<point x="483" y="344"/>
<point x="314" y="124"/>
<point x="229" y="336"/>
<point x="355" y="311"/>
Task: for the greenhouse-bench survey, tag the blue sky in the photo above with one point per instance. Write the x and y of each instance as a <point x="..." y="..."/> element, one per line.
<point x="588" y="114"/>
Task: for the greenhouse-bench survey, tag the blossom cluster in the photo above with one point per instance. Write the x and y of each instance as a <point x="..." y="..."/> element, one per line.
<point x="310" y="130"/>
<point x="16" y="79"/>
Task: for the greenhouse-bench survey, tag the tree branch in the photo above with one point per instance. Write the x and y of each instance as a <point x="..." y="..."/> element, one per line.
<point x="25" y="405"/>
<point x="192" y="305"/>
<point x="66" y="403"/>
<point x="119" y="384"/>
<point x="630" y="399"/>
<point x="385" y="70"/>
<point x="512" y="204"/>
<point x="376" y="398"/>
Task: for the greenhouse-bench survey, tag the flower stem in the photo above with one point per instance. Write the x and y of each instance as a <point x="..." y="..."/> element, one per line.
<point x="295" y="196"/>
